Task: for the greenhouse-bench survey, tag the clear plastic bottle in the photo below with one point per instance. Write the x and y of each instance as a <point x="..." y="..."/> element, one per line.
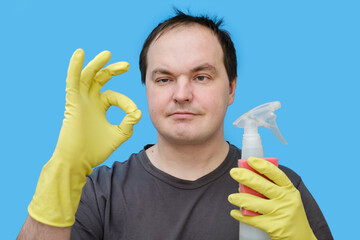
<point x="261" y="116"/>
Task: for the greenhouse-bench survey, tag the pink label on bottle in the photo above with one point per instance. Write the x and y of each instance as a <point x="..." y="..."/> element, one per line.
<point x="244" y="164"/>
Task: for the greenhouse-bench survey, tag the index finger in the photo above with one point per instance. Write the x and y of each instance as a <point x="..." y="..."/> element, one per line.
<point x="133" y="114"/>
<point x="270" y="171"/>
<point x="256" y="182"/>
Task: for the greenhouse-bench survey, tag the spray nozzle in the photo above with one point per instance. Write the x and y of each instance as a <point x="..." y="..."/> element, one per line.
<point x="261" y="116"/>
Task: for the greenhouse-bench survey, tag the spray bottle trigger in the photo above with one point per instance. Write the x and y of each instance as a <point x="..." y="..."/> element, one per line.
<point x="275" y="130"/>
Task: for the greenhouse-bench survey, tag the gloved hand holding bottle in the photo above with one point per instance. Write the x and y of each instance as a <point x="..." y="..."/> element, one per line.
<point x="86" y="138"/>
<point x="282" y="214"/>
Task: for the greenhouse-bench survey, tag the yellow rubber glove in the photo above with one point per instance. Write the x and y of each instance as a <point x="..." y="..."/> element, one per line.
<point x="283" y="216"/>
<point x="86" y="138"/>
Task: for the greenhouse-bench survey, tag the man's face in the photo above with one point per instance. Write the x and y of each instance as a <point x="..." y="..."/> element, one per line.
<point x="187" y="86"/>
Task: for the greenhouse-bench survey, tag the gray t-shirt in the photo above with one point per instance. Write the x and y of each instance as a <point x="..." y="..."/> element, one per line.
<point x="135" y="200"/>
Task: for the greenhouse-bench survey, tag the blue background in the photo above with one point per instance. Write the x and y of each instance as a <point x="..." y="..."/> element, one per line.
<point x="302" y="53"/>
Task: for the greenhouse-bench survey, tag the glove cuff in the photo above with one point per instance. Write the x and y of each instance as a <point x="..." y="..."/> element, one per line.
<point x="58" y="193"/>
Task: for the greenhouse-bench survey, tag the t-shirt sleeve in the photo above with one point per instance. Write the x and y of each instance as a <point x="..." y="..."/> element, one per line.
<point x="314" y="215"/>
<point x="88" y="223"/>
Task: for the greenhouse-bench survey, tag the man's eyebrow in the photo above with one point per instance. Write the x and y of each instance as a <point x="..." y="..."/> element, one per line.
<point x="203" y="67"/>
<point x="160" y="71"/>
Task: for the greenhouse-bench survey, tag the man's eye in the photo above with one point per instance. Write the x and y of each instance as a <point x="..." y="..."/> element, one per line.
<point x="202" y="78"/>
<point x="162" y="80"/>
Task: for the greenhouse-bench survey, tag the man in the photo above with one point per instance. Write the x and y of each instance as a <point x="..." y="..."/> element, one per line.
<point x="177" y="188"/>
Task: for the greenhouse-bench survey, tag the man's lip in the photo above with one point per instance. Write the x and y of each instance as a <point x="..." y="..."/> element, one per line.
<point x="182" y="114"/>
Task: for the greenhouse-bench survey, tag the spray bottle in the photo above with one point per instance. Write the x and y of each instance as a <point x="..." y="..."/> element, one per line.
<point x="261" y="116"/>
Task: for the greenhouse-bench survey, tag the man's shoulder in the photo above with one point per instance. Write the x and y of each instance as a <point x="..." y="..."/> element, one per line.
<point x="118" y="168"/>
<point x="292" y="175"/>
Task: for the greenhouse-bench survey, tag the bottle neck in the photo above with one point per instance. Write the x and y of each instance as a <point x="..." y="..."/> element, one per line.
<point x="251" y="144"/>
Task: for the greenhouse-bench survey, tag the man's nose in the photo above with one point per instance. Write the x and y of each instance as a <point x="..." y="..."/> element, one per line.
<point x="183" y="90"/>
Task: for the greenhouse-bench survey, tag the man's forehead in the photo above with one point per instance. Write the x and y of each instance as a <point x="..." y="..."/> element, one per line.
<point x="187" y="39"/>
<point x="185" y="49"/>
<point x="181" y="29"/>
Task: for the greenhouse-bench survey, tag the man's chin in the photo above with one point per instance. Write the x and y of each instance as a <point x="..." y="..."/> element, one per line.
<point x="185" y="139"/>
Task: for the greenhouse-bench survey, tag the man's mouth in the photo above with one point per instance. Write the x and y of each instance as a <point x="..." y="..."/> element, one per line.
<point x="183" y="115"/>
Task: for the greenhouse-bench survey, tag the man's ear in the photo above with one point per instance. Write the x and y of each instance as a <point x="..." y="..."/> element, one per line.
<point x="232" y="88"/>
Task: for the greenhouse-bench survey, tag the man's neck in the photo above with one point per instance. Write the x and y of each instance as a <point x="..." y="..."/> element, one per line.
<point x="188" y="161"/>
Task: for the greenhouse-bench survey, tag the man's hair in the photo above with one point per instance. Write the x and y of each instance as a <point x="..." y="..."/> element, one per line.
<point x="181" y="19"/>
